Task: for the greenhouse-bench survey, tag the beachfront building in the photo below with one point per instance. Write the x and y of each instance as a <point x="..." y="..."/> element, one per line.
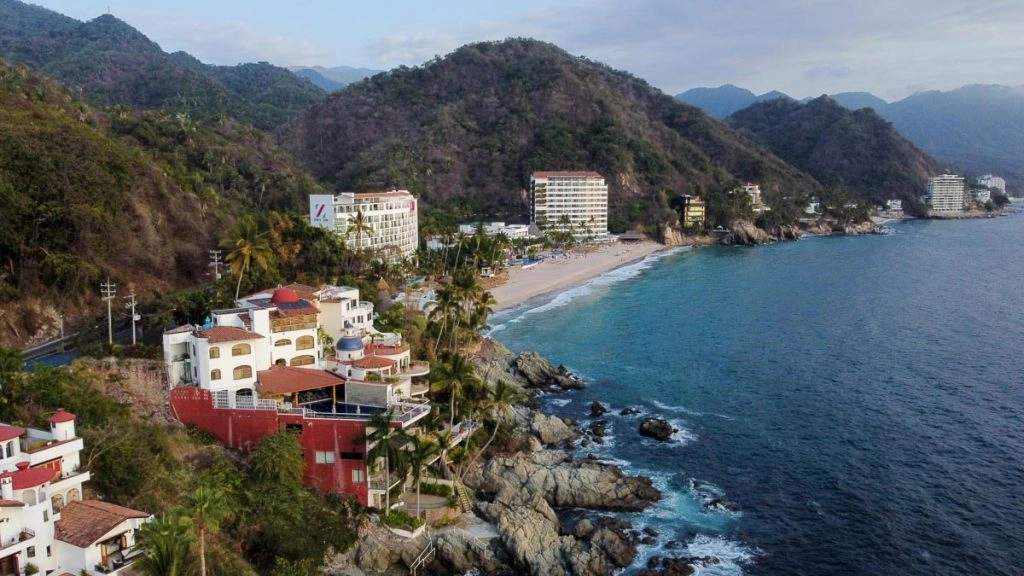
<point x="946" y="193"/>
<point x="894" y="205"/>
<point x="981" y="195"/>
<point x="44" y="522"/>
<point x="756" y="202"/>
<point x="581" y="198"/>
<point x="391" y="220"/>
<point x="693" y="212"/>
<point x="990" y="181"/>
<point x="265" y="366"/>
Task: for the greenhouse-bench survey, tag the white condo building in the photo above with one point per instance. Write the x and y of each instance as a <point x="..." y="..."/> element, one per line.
<point x="44" y="522"/>
<point x="946" y="193"/>
<point x="582" y="196"/>
<point x="392" y="216"/>
<point x="990" y="181"/>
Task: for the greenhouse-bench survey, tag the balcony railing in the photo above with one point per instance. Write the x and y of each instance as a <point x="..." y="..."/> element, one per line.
<point x="25" y="534"/>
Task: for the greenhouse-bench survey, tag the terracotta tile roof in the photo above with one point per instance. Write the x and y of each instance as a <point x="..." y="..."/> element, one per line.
<point x="291" y="379"/>
<point x="84" y="522"/>
<point x="61" y="416"/>
<point x="11" y="503"/>
<point x="8" y="432"/>
<point x="566" y="173"/>
<point x="373" y="362"/>
<point x="219" y="334"/>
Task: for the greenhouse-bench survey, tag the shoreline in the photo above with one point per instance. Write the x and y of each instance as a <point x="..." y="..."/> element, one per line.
<point x="559" y="273"/>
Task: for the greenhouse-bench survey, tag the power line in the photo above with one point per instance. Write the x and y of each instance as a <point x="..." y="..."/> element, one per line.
<point x="215" y="263"/>
<point x="109" y="290"/>
<point x="131" y="305"/>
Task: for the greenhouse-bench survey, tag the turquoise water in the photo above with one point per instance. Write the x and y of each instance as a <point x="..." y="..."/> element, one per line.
<point x="856" y="401"/>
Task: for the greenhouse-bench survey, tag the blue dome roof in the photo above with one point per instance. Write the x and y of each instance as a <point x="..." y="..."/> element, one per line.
<point x="349" y="343"/>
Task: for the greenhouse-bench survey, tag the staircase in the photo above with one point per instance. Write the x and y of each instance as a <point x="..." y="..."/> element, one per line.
<point x="460" y="491"/>
<point x="424" y="557"/>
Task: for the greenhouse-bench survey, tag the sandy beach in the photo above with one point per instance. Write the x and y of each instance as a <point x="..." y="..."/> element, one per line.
<point x="558" y="273"/>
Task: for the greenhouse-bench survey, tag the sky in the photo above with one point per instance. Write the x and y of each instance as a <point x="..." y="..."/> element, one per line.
<point x="891" y="48"/>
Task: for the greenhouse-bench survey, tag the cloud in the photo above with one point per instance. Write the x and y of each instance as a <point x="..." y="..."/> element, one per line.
<point x="396" y="49"/>
<point x="234" y="43"/>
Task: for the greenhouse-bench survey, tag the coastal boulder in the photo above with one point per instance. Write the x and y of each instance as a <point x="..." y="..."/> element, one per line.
<point x="540" y="374"/>
<point x="459" y="552"/>
<point x="597" y="409"/>
<point x="745" y="233"/>
<point x="551" y="430"/>
<point x="657" y="428"/>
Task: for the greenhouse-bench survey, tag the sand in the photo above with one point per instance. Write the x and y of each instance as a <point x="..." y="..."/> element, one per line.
<point x="559" y="273"/>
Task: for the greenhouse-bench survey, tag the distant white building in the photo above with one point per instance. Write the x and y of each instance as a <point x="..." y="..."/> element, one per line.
<point x="756" y="202"/>
<point x="990" y="181"/>
<point x="44" y="522"/>
<point x="894" y="205"/>
<point x="580" y="196"/>
<point x="981" y="195"/>
<point x="392" y="216"/>
<point x="946" y="193"/>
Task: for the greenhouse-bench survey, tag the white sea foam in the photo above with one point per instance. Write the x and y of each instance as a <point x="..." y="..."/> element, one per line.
<point x="682" y="434"/>
<point x="561" y="402"/>
<point x="731" y="556"/>
<point x="684" y="410"/>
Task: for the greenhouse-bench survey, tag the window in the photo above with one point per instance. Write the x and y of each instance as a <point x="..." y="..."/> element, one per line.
<point x="303" y="360"/>
<point x="214" y="352"/>
<point x="293" y="428"/>
<point x="324" y="457"/>
<point x="304" y="343"/>
<point x="240" y="349"/>
<point x="74" y="495"/>
<point x="214" y="374"/>
<point x="358" y="476"/>
<point x="242" y="372"/>
<point x="10" y="449"/>
<point x="351" y="455"/>
<point x="31" y="551"/>
<point x="283" y="342"/>
<point x="56" y="503"/>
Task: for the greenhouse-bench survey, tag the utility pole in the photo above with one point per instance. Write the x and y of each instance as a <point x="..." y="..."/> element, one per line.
<point x="131" y="306"/>
<point x="215" y="263"/>
<point x="109" y="290"/>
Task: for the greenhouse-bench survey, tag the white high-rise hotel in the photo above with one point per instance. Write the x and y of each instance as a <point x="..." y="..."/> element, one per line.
<point x="946" y="193"/>
<point x="582" y="196"/>
<point x="392" y="216"/>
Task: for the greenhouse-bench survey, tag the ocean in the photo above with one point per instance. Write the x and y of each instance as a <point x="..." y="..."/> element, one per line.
<point x="843" y="405"/>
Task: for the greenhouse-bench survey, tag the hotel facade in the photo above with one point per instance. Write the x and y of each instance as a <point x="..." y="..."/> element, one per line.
<point x="580" y="196"/>
<point x="946" y="193"/>
<point x="391" y="216"/>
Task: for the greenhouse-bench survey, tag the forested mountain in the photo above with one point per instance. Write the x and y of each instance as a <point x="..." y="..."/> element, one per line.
<point x="110" y="63"/>
<point x="139" y="197"/>
<point x="476" y="123"/>
<point x="331" y="79"/>
<point x="855" y="150"/>
<point x="724" y="100"/>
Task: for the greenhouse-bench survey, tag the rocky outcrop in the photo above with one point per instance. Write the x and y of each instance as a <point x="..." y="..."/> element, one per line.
<point x="657" y="428"/>
<point x="551" y="430"/>
<point x="745" y="233"/>
<point x="459" y="552"/>
<point x="540" y="374"/>
<point x="565" y="482"/>
<point x="597" y="409"/>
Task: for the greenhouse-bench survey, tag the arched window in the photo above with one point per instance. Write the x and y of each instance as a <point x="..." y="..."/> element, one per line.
<point x="214" y="352"/>
<point x="56" y="502"/>
<point x="240" y="349"/>
<point x="242" y="372"/>
<point x="74" y="495"/>
<point x="214" y="374"/>
<point x="29" y="496"/>
<point x="303" y="360"/>
<point x="304" y="342"/>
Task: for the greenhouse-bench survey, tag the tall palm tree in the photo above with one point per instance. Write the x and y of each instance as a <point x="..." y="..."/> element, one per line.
<point x="247" y="245"/>
<point x="359" y="225"/>
<point x="497" y="405"/>
<point x="166" y="543"/>
<point x="423" y="451"/>
<point x="382" y="441"/>
<point x="454" y="376"/>
<point x="447" y="308"/>
<point x="208" y="508"/>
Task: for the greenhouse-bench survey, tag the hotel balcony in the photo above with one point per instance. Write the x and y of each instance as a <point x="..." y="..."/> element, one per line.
<point x="15" y="543"/>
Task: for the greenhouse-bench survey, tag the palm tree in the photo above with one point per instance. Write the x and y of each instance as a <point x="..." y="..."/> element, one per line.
<point x="498" y="404"/>
<point x="166" y="543"/>
<point x="423" y="451"/>
<point x="248" y="244"/>
<point x="447" y="306"/>
<point x="359" y="226"/>
<point x="382" y="441"/>
<point x="208" y="508"/>
<point x="453" y="376"/>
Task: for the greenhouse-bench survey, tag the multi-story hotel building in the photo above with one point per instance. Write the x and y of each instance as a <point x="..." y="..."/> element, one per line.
<point x="581" y="196"/>
<point x="946" y="193"/>
<point x="391" y="216"/>
<point x="990" y="181"/>
<point x="693" y="212"/>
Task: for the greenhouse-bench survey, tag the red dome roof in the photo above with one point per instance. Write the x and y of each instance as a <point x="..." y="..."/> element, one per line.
<point x="61" y="416"/>
<point x="284" y="296"/>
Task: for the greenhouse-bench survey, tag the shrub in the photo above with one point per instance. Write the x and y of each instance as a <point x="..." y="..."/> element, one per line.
<point x="401" y="519"/>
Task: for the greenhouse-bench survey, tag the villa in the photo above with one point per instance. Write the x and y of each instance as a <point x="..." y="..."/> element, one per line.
<point x="263" y="367"/>
<point x="44" y="522"/>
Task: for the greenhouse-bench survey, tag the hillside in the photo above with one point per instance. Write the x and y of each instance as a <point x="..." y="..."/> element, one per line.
<point x="476" y="123"/>
<point x="110" y="63"/>
<point x="332" y="79"/>
<point x="139" y="197"/>
<point x="857" y="150"/>
<point x="722" y="101"/>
